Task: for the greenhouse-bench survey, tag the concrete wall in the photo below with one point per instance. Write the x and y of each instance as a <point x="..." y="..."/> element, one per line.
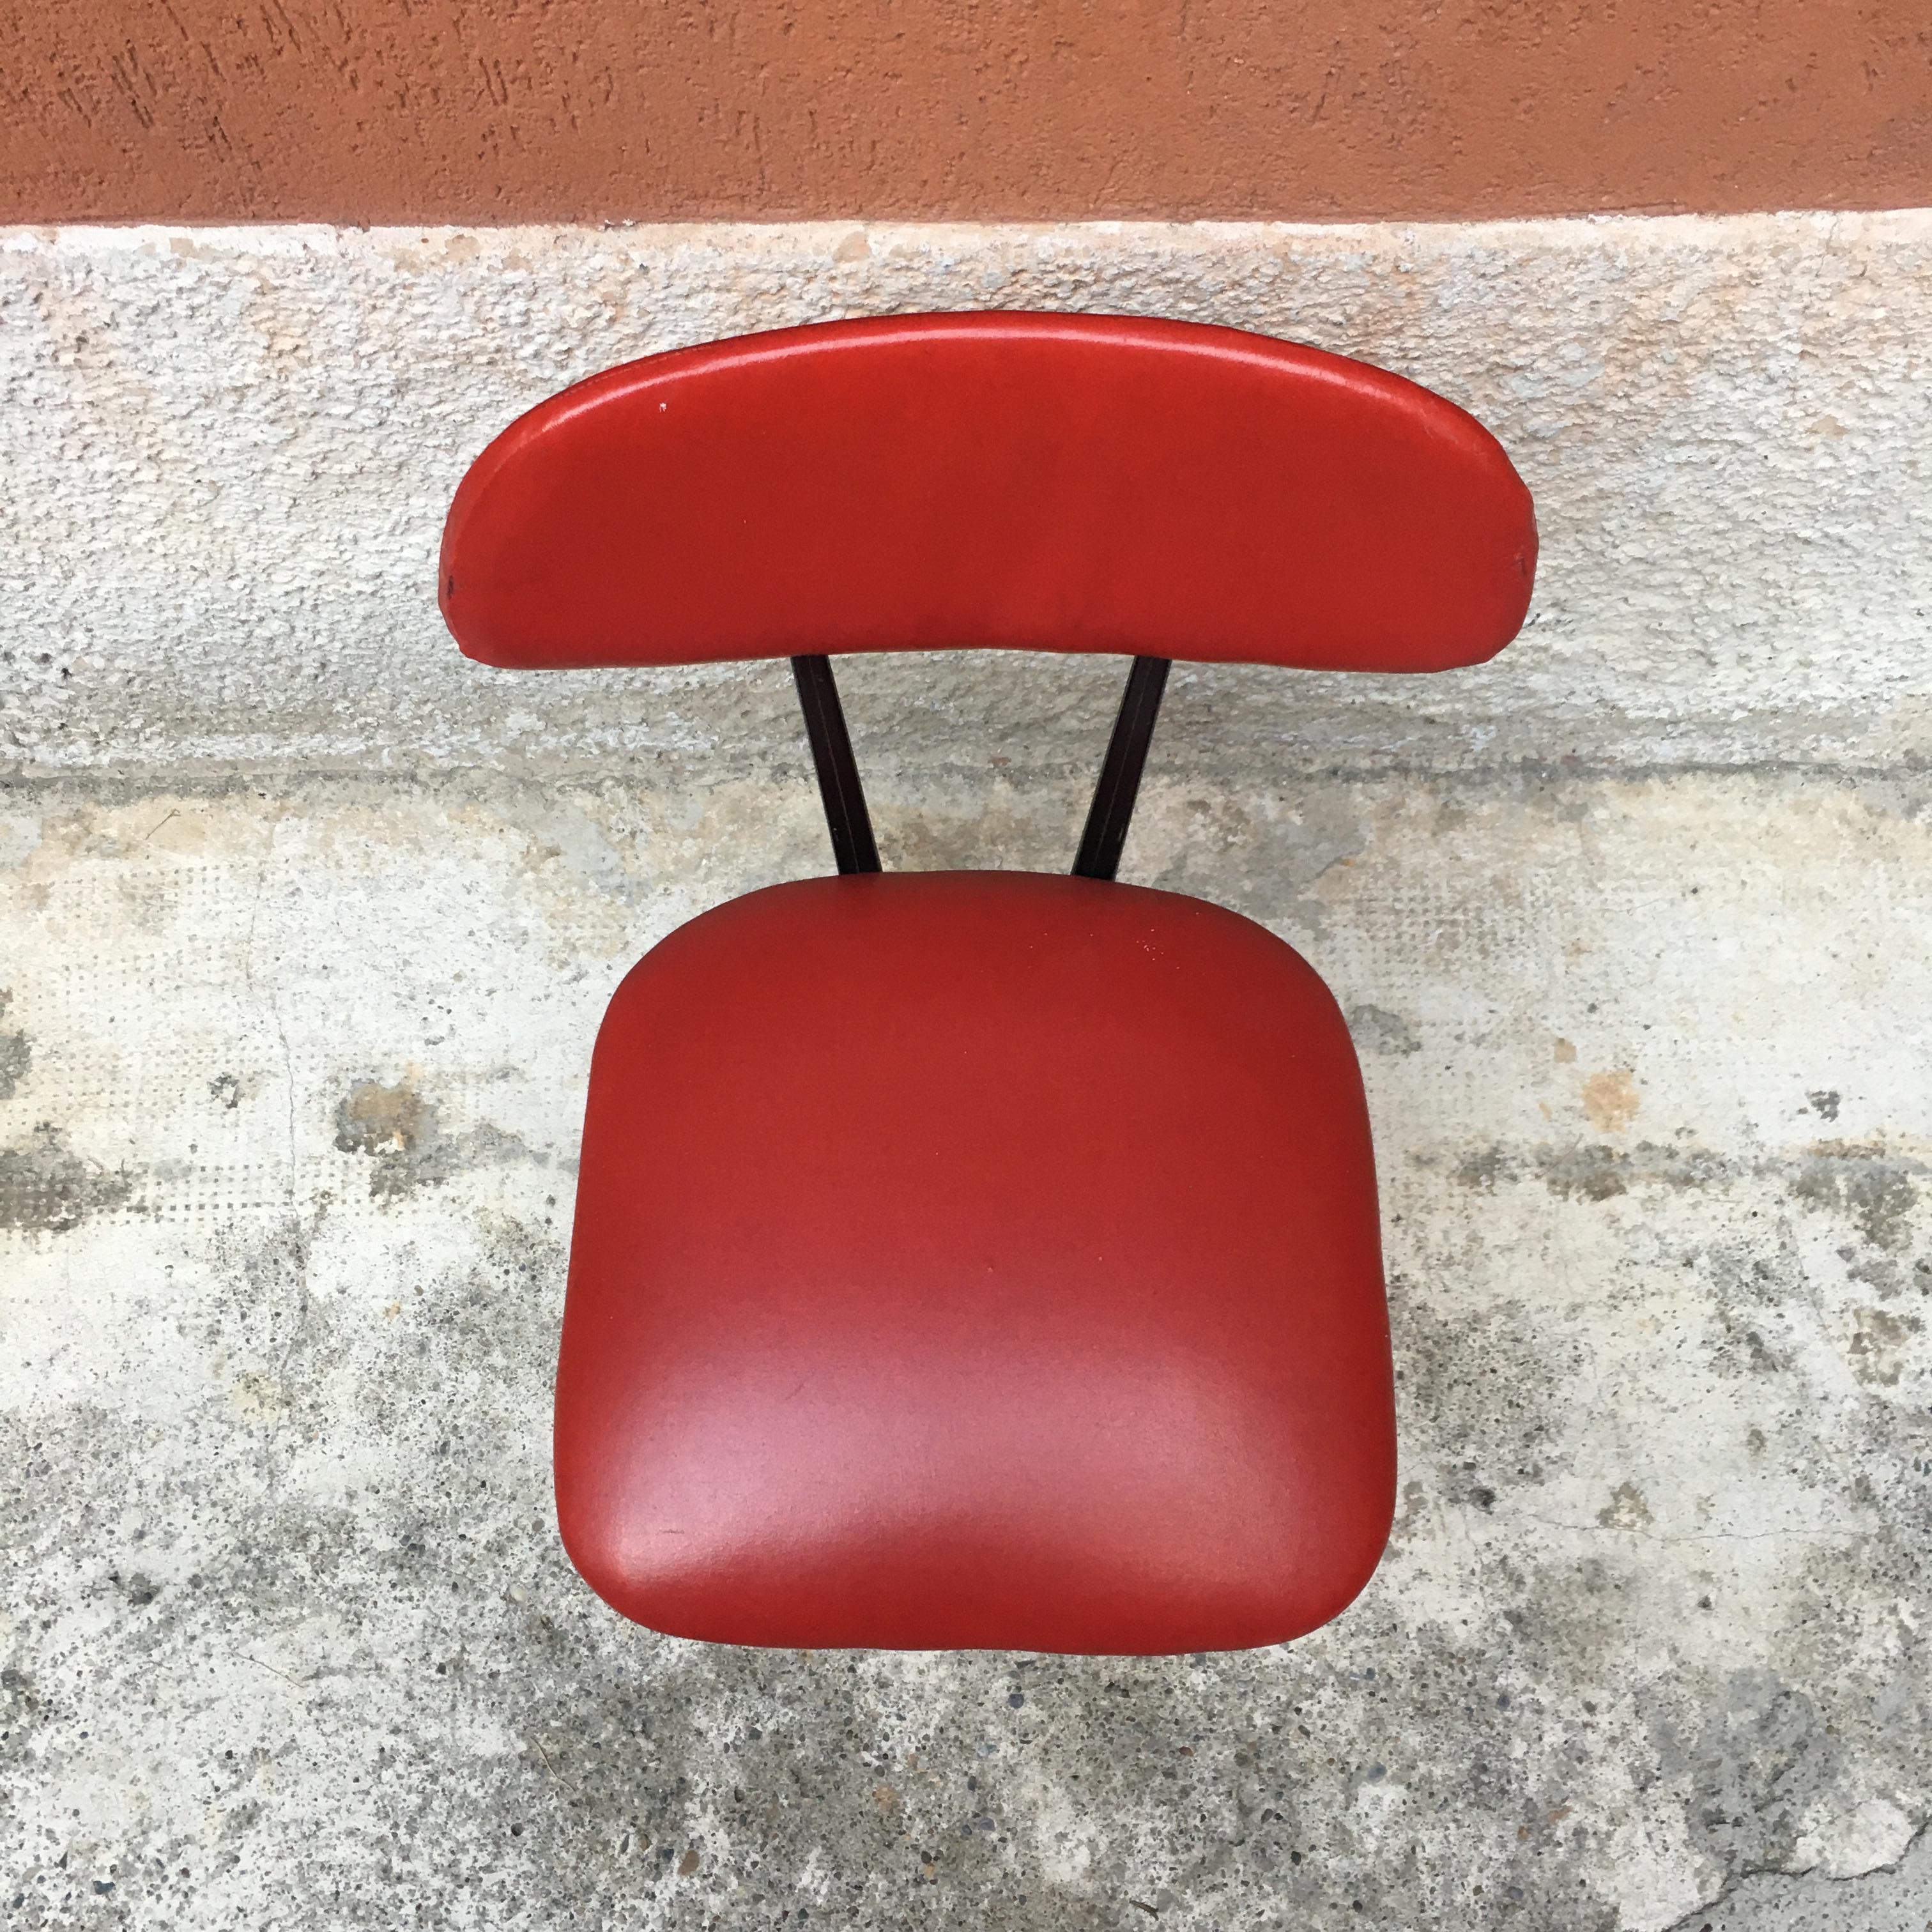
<point x="305" y="925"/>
<point x="230" y="451"/>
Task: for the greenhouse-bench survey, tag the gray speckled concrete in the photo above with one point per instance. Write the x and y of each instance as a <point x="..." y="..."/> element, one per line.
<point x="290" y="1640"/>
<point x="305" y="928"/>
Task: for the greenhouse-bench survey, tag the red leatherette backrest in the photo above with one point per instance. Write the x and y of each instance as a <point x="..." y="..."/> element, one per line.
<point x="1066" y="483"/>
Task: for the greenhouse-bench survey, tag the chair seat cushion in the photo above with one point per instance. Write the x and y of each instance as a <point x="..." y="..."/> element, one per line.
<point x="975" y="1260"/>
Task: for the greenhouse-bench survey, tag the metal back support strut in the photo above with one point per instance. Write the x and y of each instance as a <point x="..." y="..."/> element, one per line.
<point x="1108" y="817"/>
<point x="846" y="817"/>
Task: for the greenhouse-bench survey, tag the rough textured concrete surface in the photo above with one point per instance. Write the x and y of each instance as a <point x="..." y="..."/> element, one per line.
<point x="305" y="928"/>
<point x="285" y="1187"/>
<point x="228" y="455"/>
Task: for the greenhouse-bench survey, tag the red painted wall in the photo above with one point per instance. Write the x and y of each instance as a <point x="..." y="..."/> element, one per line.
<point x="503" y="110"/>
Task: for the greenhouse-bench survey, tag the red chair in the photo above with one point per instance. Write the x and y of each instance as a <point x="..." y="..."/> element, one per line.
<point x="981" y="1259"/>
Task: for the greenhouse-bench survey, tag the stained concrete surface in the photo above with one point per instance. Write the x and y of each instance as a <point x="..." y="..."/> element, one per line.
<point x="284" y="1210"/>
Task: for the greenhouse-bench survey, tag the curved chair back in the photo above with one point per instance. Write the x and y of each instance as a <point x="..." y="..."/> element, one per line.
<point x="1062" y="483"/>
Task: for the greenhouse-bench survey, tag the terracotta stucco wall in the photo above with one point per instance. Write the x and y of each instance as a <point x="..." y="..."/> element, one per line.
<point x="368" y="111"/>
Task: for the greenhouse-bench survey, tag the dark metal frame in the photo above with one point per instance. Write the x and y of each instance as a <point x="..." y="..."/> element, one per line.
<point x="846" y="817"/>
<point x="1107" y="818"/>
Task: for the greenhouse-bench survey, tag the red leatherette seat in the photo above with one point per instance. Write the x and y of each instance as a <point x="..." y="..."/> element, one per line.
<point x="975" y="1258"/>
<point x="981" y="1259"/>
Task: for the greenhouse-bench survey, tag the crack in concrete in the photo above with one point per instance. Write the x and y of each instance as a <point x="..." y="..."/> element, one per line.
<point x="1692" y="1920"/>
